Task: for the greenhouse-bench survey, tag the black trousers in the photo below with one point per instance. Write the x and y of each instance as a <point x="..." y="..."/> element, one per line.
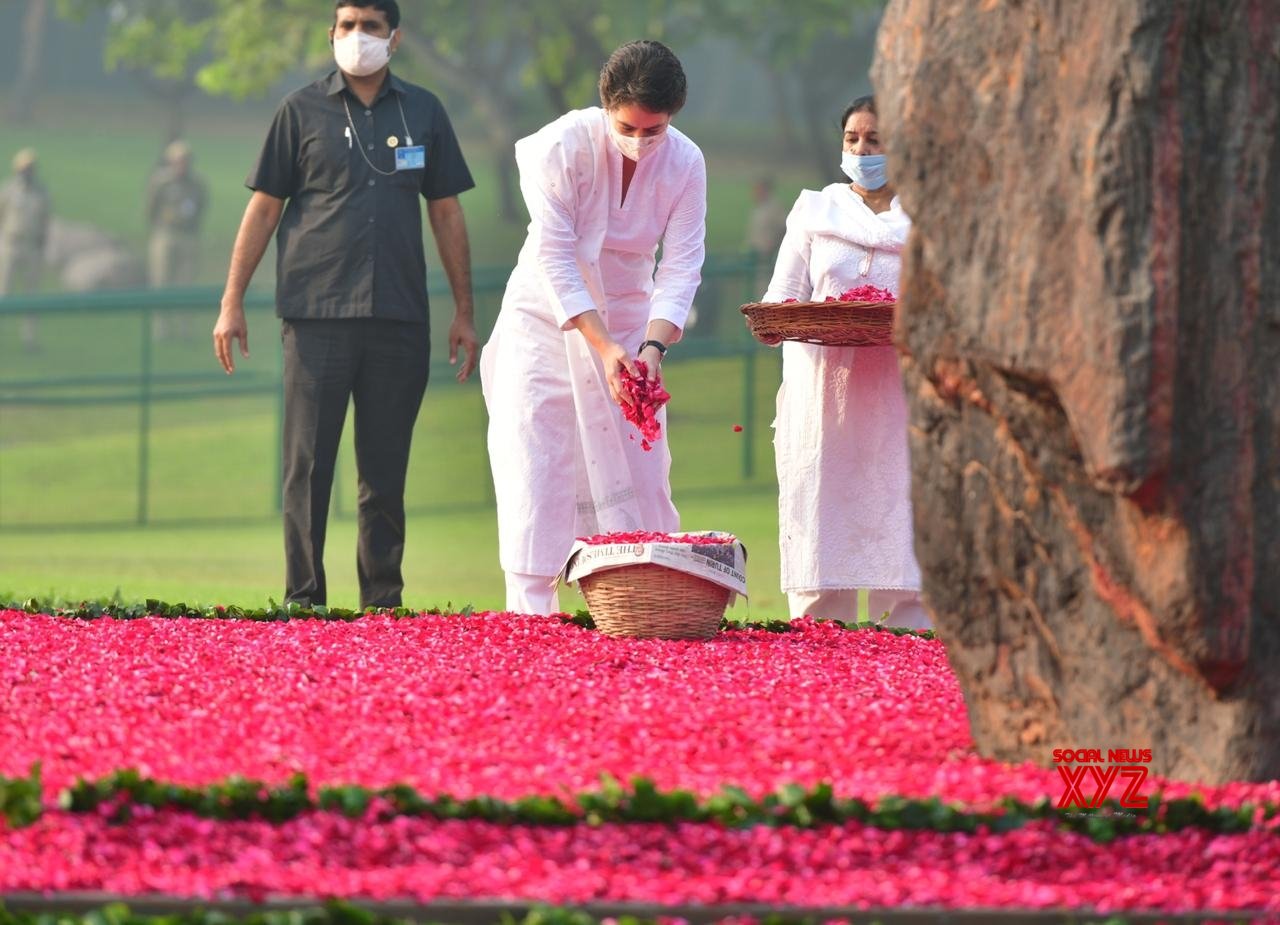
<point x="381" y="367"/>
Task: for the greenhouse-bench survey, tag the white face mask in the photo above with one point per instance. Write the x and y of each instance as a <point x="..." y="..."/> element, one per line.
<point x="637" y="146"/>
<point x="867" y="170"/>
<point x="360" y="54"/>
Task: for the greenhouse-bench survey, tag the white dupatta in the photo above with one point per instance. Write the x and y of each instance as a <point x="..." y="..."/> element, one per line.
<point x="563" y="169"/>
<point x="839" y="211"/>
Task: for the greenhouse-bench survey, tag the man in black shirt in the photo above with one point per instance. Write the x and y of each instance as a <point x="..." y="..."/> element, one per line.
<point x="340" y="174"/>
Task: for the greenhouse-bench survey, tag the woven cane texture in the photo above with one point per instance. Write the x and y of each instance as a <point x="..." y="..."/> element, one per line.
<point x="828" y="324"/>
<point x="649" y="601"/>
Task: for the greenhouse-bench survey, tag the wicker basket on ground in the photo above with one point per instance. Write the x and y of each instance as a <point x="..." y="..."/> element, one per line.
<point x="828" y="324"/>
<point x="647" y="601"/>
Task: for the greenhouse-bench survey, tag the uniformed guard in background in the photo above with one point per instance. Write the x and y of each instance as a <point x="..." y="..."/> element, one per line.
<point x="176" y="198"/>
<point x="24" y="234"/>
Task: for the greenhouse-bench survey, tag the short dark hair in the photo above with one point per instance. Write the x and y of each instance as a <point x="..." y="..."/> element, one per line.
<point x="644" y="73"/>
<point x="389" y="7"/>
<point x="861" y="104"/>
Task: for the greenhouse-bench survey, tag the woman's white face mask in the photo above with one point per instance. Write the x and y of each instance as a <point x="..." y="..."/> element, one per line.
<point x="637" y="146"/>
<point x="649" y="129"/>
<point x="360" y="54"/>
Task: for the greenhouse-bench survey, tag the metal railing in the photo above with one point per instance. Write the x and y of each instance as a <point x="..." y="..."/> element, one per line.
<point x="44" y="383"/>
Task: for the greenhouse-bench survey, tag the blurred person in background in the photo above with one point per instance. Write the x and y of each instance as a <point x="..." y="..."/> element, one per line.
<point x="766" y="226"/>
<point x="24" y="235"/>
<point x="176" y="199"/>
<point x="840" y="438"/>
<point x="604" y="187"/>
<point x="345" y="166"/>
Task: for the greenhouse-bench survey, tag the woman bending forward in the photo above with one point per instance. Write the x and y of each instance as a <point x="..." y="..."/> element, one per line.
<point x="604" y="186"/>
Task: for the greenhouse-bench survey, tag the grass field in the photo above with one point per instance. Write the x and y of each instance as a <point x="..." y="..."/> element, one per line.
<point x="215" y="457"/>
<point x="451" y="559"/>
<point x="69" y="471"/>
<point x="214" y="535"/>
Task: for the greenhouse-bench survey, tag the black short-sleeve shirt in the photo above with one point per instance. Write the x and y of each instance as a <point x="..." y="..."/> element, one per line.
<point x="349" y="243"/>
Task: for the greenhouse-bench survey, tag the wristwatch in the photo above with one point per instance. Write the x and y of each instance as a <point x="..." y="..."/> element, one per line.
<point x="662" y="348"/>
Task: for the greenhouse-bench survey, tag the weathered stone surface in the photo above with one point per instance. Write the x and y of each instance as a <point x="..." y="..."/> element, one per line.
<point x="68" y="239"/>
<point x="1091" y="334"/>
<point x="87" y="258"/>
<point x="110" y="268"/>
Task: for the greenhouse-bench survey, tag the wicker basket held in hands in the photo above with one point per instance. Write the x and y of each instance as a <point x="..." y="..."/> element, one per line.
<point x="829" y="324"/>
<point x="649" y="601"/>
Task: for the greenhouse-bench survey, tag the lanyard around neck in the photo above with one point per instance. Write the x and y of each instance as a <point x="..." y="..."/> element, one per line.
<point x="360" y="144"/>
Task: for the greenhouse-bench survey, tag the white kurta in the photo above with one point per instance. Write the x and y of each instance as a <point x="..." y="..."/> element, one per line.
<point x="565" y="462"/>
<point x="840" y="435"/>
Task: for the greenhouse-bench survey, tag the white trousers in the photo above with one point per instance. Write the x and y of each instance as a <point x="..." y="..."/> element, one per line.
<point x="535" y="594"/>
<point x="538" y="449"/>
<point x="904" y="607"/>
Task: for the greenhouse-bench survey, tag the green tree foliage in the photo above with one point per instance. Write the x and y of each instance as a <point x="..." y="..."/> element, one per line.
<point x="161" y="42"/>
<point x="515" y="64"/>
<point x="813" y="51"/>
<point x="232" y="48"/>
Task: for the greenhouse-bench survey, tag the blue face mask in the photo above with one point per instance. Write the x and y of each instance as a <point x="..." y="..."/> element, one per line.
<point x="866" y="170"/>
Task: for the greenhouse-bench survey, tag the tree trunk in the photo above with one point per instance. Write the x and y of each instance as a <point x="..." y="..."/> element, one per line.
<point x="30" y="62"/>
<point x="509" y="205"/>
<point x="482" y="83"/>
<point x="557" y="95"/>
<point x="784" y="120"/>
<point x="822" y="132"/>
<point x="1091" y="331"/>
<point x="175" y="106"/>
<point x="172" y="98"/>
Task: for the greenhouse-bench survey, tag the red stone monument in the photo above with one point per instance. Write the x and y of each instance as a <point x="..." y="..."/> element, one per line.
<point x="1090" y="327"/>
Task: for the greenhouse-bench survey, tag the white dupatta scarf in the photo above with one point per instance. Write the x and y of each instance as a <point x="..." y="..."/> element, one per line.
<point x="606" y="500"/>
<point x="838" y="211"/>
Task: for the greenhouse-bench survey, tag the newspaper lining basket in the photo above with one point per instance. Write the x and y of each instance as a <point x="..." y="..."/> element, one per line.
<point x="647" y="601"/>
<point x="828" y="324"/>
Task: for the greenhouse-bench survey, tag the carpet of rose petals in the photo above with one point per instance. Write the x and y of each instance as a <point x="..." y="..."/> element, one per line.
<point x="649" y="536"/>
<point x="850" y="865"/>
<point x="501" y="705"/>
<point x="864" y="294"/>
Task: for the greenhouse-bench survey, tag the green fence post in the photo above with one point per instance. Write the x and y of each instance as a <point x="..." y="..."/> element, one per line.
<point x="749" y="375"/>
<point x="144" y="419"/>
<point x="484" y="329"/>
<point x="336" y="492"/>
<point x="486" y="471"/>
<point x="749" y="412"/>
<point x="278" y="487"/>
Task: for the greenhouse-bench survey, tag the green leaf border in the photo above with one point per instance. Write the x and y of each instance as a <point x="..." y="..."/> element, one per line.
<point x="280" y="613"/>
<point x="793" y="805"/>
<point x="340" y="912"/>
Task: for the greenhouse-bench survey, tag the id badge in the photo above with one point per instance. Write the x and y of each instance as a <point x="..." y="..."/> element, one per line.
<point x="414" y="158"/>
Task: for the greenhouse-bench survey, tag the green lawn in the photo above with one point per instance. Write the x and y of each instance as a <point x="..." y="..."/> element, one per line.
<point x="215" y="458"/>
<point x="69" y="469"/>
<point x="451" y="559"/>
<point x="214" y="536"/>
